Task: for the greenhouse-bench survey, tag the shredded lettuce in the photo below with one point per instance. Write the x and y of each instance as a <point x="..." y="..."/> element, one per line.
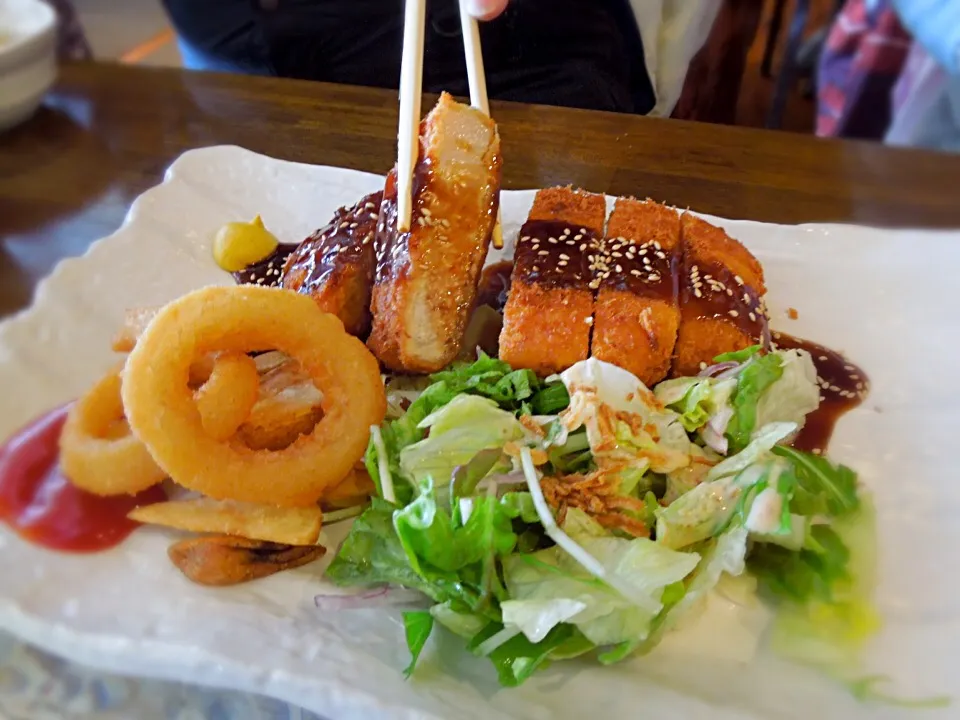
<point x="462" y="516"/>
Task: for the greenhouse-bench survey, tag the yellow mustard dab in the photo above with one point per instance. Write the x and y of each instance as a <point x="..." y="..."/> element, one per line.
<point x="239" y="244"/>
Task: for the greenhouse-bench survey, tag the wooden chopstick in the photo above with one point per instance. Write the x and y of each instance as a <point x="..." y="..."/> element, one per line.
<point x="411" y="86"/>
<point x="477" y="81"/>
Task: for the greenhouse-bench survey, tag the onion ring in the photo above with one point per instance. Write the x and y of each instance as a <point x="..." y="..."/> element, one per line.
<point x="240" y="319"/>
<point x="229" y="394"/>
<point x="97" y="451"/>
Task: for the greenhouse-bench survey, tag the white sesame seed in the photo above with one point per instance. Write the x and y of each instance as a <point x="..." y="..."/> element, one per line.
<point x="562" y="263"/>
<point x="661" y="256"/>
<point x="425" y="211"/>
<point x="653" y="277"/>
<point x="823" y="358"/>
<point x="733" y="313"/>
<point x="697" y="293"/>
<point x="588" y="320"/>
<point x="353" y="225"/>
<point x="729" y="292"/>
<point x="753" y="317"/>
<point x="635" y="273"/>
<point x="583" y="246"/>
<point x="543" y="252"/>
<point x="738" y="279"/>
<point x="642" y="252"/>
<point x="564" y="256"/>
<point x="578" y="236"/>
<point x="552" y="241"/>
<point x="618" y="268"/>
<point x="703" y="366"/>
<point x="583" y="230"/>
<point x="566" y="231"/>
<point x="657" y="245"/>
<point x="525" y="238"/>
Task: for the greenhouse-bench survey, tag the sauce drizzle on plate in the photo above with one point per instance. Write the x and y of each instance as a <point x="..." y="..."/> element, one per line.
<point x="843" y="386"/>
<point x="42" y="506"/>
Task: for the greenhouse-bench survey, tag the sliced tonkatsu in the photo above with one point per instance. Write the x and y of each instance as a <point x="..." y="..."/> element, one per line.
<point x="335" y="265"/>
<point x="636" y="314"/>
<point x="721" y="297"/>
<point x="549" y="311"/>
<point x="426" y="279"/>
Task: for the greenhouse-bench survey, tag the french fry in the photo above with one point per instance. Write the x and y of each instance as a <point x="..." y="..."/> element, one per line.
<point x="284" y="525"/>
<point x="355" y="488"/>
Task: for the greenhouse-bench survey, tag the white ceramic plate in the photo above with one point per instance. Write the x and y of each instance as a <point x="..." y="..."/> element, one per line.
<point x="886" y="298"/>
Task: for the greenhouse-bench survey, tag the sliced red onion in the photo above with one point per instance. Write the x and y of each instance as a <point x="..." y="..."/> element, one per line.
<point x="713" y="432"/>
<point x="381" y="597"/>
<point x="500" y="482"/>
<point x="718" y="368"/>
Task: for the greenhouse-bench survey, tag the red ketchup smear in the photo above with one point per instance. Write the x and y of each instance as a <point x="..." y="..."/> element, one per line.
<point x="42" y="506"/>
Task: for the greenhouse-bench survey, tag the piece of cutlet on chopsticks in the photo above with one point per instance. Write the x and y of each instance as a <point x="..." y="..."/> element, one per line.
<point x="637" y="313"/>
<point x="721" y="297"/>
<point x="335" y="265"/>
<point x="426" y="279"/>
<point x="549" y="311"/>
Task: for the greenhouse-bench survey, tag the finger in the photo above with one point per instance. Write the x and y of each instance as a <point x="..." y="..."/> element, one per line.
<point x="485" y="9"/>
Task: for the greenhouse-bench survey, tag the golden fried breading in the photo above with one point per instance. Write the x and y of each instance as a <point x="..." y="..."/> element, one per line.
<point x="637" y="313"/>
<point x="426" y="279"/>
<point x="335" y="265"/>
<point x="547" y="318"/>
<point x="721" y="297"/>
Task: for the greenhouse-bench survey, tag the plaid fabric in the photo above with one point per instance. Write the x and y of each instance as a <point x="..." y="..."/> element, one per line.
<point x="72" y="42"/>
<point x="861" y="61"/>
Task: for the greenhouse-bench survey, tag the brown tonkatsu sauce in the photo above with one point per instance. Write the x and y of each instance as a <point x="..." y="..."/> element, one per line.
<point x="645" y="269"/>
<point x="714" y="291"/>
<point x="346" y="239"/>
<point x="494" y="285"/>
<point x="843" y="386"/>
<point x="266" y="272"/>
<point x="556" y="253"/>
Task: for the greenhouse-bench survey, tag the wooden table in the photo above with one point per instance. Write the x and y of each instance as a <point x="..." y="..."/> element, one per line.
<point x="108" y="132"/>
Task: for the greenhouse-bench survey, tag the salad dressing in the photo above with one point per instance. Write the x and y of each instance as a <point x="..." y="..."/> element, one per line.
<point x="42" y="506"/>
<point x="843" y="386"/>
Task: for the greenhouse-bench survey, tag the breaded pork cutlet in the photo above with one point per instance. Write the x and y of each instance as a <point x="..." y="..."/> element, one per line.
<point x="426" y="279"/>
<point x="335" y="265"/>
<point x="637" y="310"/>
<point x="721" y="297"/>
<point x="549" y="311"/>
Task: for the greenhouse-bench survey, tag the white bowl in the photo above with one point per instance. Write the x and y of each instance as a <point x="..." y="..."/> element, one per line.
<point x="28" y="67"/>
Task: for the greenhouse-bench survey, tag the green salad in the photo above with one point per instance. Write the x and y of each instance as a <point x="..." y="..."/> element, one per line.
<point x="586" y="514"/>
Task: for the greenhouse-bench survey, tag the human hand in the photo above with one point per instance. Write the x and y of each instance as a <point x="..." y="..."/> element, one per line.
<point x="486" y="9"/>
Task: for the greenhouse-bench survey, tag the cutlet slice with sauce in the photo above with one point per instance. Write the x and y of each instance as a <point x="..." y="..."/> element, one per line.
<point x="549" y="311"/>
<point x="426" y="279"/>
<point x="721" y="297"/>
<point x="637" y="310"/>
<point x="335" y="265"/>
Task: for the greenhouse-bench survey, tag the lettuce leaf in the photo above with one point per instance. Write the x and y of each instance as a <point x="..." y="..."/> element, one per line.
<point x="459" y="430"/>
<point x="794" y="395"/>
<point x="417" y="628"/>
<point x="517" y="659"/>
<point x="760" y="373"/>
<point x="548" y="587"/>
<point x="625" y="424"/>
